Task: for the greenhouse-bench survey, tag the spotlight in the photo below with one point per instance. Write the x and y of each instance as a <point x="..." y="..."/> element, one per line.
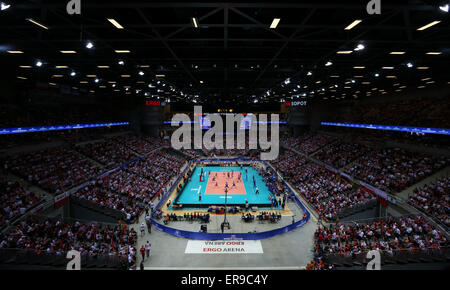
<point x="141" y="73"/>
<point x="113" y="85"/>
<point x="5" y="6"/>
<point x="72" y="74"/>
<point x="328" y="63"/>
<point x="121" y="62"/>
<point x="353" y="81"/>
<point x="309" y="73"/>
<point x="377" y="74"/>
<point x="409" y="64"/>
<point x="89" y="45"/>
<point x="38" y="63"/>
<point x="359" y="47"/>
<point x="97" y="80"/>
<point x="443" y="8"/>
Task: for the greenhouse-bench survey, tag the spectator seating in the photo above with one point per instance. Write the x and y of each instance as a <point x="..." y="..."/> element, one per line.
<point x="15" y="201"/>
<point x="394" y="169"/>
<point x="399" y="240"/>
<point x="54" y="169"/>
<point x="434" y="200"/>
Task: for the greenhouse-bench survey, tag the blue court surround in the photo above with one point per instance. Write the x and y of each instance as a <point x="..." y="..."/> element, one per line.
<point x="190" y="193"/>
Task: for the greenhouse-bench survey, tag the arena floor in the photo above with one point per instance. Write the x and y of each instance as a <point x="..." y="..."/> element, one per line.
<point x="211" y="191"/>
<point x="292" y="250"/>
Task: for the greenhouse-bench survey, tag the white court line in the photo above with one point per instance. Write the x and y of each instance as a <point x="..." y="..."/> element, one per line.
<point x="227" y="268"/>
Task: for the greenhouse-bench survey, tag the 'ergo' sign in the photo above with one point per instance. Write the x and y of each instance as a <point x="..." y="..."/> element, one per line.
<point x="152" y="103"/>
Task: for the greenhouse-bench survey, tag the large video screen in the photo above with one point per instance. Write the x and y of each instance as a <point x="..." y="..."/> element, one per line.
<point x="246" y="123"/>
<point x="205" y="122"/>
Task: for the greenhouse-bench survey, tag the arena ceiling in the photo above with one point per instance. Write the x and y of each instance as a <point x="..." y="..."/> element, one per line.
<point x="232" y="56"/>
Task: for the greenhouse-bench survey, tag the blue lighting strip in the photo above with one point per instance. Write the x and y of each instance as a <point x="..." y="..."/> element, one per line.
<point x="441" y="131"/>
<point x="254" y="122"/>
<point x="5" y="131"/>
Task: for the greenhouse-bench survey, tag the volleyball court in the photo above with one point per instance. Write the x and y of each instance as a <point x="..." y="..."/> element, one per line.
<point x="219" y="181"/>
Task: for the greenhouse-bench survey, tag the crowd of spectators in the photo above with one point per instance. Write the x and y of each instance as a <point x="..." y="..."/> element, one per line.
<point x="129" y="189"/>
<point x="139" y="144"/>
<point x="340" y="154"/>
<point x="104" y="198"/>
<point x="129" y="184"/>
<point x="14" y="201"/>
<point x="388" y="235"/>
<point x="54" y="169"/>
<point x="107" y="152"/>
<point x="228" y="152"/>
<point x="308" y="143"/>
<point x="330" y="194"/>
<point x="192" y="154"/>
<point x="159" y="166"/>
<point x="434" y="200"/>
<point x="394" y="169"/>
<point x="59" y="237"/>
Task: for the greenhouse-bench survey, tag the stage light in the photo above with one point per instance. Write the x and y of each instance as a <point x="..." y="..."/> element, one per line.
<point x="409" y="64"/>
<point x="5" y="6"/>
<point x="428" y="25"/>
<point x="359" y="47"/>
<point x="377" y="74"/>
<point x="328" y="63"/>
<point x="353" y="24"/>
<point x="37" y="23"/>
<point x="38" y="63"/>
<point x="72" y="74"/>
<point x="275" y="23"/>
<point x="121" y="62"/>
<point x="442" y="8"/>
<point x="89" y="45"/>
<point x="141" y="73"/>
<point x="115" y="23"/>
<point x="97" y="80"/>
<point x="195" y="22"/>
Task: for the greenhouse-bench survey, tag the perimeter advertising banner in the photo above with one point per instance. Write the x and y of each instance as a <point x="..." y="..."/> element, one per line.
<point x="224" y="247"/>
